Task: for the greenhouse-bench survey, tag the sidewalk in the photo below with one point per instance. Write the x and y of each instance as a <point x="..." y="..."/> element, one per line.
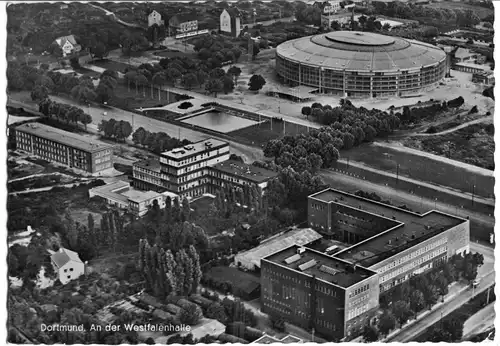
<point x="420" y="316"/>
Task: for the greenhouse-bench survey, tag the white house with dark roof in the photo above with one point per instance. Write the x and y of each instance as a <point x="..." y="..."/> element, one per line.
<point x="68" y="44"/>
<point x="68" y="265"/>
<point x="230" y="21"/>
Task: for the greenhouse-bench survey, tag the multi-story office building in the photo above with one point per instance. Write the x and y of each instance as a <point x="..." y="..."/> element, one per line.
<point x="393" y="243"/>
<point x="400" y="244"/>
<point x="198" y="168"/>
<point x="64" y="147"/>
<point x="184" y="170"/>
<point x="238" y="174"/>
<point x="316" y="291"/>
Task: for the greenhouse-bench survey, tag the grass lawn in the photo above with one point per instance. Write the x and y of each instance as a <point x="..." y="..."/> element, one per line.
<point x="421" y="168"/>
<point x="172" y="53"/>
<point x="259" y="134"/>
<point x="111" y="65"/>
<point x="134" y="99"/>
<point x="233" y="275"/>
<point x="472" y="145"/>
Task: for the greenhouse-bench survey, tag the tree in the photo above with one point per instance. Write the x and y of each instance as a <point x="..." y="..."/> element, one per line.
<point x="255" y="50"/>
<point x="190" y="315"/>
<point x="234" y="71"/>
<point x="370" y="333"/>
<point x="214" y="86"/>
<point x="139" y="136"/>
<point x="402" y="312"/>
<point x="417" y="300"/>
<point x="256" y="82"/>
<point x="228" y="84"/>
<point x="201" y="76"/>
<point x="306" y="111"/>
<point x="386" y="323"/>
<point x="99" y="51"/>
<point x="39" y="93"/>
<point x="189" y="80"/>
<point x="83" y="94"/>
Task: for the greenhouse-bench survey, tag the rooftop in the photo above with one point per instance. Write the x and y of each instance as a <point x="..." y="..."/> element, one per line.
<point x="485" y="68"/>
<point x="63" y="137"/>
<point x="414" y="228"/>
<point x="194" y="148"/>
<point x="121" y="191"/>
<point x="150" y="164"/>
<point x="282" y="241"/>
<point x="140" y="196"/>
<point x="268" y="339"/>
<point x="249" y="172"/>
<point x="354" y="51"/>
<point x="64" y="256"/>
<point x="322" y="266"/>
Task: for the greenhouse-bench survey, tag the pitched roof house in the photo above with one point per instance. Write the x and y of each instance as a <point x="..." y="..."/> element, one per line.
<point x="182" y="23"/>
<point x="230" y="21"/>
<point x="68" y="265"/>
<point x="155" y="18"/>
<point x="68" y="44"/>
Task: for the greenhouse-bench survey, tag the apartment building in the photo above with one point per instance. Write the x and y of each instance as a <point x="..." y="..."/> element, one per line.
<point x="196" y="169"/>
<point x="64" y="147"/>
<point x="315" y="291"/>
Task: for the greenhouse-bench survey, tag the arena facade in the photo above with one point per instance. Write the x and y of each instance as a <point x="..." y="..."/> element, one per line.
<point x="361" y="64"/>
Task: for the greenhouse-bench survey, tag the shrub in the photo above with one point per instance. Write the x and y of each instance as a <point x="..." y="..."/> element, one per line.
<point x="185" y="105"/>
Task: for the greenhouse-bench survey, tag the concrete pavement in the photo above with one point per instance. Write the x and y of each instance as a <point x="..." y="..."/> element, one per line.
<point x="480" y="322"/>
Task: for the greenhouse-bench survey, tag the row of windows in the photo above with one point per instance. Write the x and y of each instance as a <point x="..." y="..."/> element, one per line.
<point x="359" y="300"/>
<point x="359" y="291"/>
<point x="358" y="311"/>
<point x="413" y="264"/>
<point x="318" y="206"/>
<point x="103" y="166"/>
<point x="413" y="254"/>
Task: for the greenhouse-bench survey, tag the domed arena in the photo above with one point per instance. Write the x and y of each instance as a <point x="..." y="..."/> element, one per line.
<point x="360" y="64"/>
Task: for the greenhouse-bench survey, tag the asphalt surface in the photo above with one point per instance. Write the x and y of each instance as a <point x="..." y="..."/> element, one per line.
<point x="480" y="322"/>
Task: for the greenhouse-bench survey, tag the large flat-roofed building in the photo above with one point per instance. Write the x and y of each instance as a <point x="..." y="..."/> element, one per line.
<point x="251" y="259"/>
<point x="316" y="291"/>
<point x="64" y="147"/>
<point x="196" y="169"/>
<point x="410" y="244"/>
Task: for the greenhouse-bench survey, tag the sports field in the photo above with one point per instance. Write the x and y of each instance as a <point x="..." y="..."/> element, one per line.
<point x="261" y="133"/>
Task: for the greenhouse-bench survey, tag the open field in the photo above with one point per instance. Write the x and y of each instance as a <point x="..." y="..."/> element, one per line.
<point x="220" y="122"/>
<point x="259" y="134"/>
<point x="173" y="53"/>
<point x="111" y="65"/>
<point x="232" y="275"/>
<point x="422" y="168"/>
<point x="473" y="145"/>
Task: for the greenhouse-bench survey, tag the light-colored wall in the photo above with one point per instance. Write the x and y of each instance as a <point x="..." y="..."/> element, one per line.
<point x="66" y="275"/>
<point x="225" y="22"/>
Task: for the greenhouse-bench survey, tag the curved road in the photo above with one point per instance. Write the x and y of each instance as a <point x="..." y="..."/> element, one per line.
<point x="453" y="129"/>
<point x="109" y="13"/>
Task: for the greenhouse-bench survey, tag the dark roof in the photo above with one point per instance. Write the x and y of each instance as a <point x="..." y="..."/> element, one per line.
<point x="63" y="137"/>
<point x="248" y="172"/>
<point x="233" y="12"/>
<point x="150" y="164"/>
<point x="64" y="256"/>
<point x="182" y="18"/>
<point x="322" y="266"/>
<point x="413" y="228"/>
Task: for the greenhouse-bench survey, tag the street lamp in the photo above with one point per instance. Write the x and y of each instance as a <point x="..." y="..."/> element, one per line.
<point x="473" y="191"/>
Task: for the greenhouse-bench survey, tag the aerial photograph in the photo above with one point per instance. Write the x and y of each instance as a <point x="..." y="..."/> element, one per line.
<point x="278" y="171"/>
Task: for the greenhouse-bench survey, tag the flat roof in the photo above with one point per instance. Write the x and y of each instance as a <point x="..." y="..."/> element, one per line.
<point x="194" y="148"/>
<point x="113" y="190"/>
<point x="248" y="172"/>
<point x="299" y="236"/>
<point x="322" y="266"/>
<point x="140" y="196"/>
<point x="63" y="137"/>
<point x="302" y="92"/>
<point x="150" y="164"/>
<point x="485" y="68"/>
<point x="414" y="228"/>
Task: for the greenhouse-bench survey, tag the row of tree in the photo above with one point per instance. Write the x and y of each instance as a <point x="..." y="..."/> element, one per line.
<point x="250" y="196"/>
<point x="421" y="292"/>
<point x="157" y="142"/>
<point x="119" y="130"/>
<point x="64" y="112"/>
<point x="169" y="273"/>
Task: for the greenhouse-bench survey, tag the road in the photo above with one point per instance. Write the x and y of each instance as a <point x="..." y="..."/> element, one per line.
<point x="250" y="154"/>
<point x="109" y="13"/>
<point x="482" y="200"/>
<point x="398" y="197"/>
<point x="439" y="312"/>
<point x="453" y="129"/>
<point x="480" y="322"/>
